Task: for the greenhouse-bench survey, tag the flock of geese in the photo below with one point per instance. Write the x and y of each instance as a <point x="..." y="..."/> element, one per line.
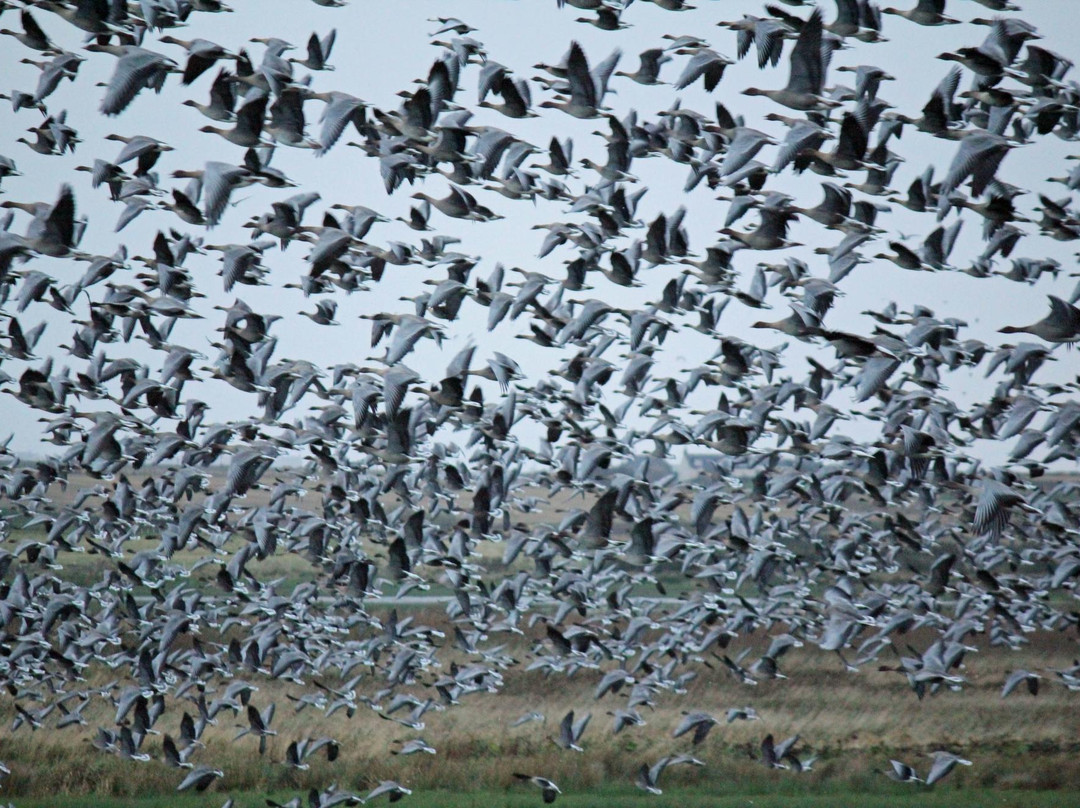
<point x="386" y="481"/>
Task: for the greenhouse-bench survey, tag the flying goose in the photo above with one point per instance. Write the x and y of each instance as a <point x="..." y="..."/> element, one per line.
<point x="548" y="789"/>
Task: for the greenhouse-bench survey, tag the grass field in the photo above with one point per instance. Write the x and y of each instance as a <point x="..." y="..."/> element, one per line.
<point x="1021" y="746"/>
<point x="806" y="797"/>
<point x="1026" y="750"/>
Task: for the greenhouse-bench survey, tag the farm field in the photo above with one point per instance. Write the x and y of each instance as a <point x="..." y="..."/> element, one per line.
<point x="1022" y="745"/>
<point x="1024" y="748"/>
<point x="808" y="797"/>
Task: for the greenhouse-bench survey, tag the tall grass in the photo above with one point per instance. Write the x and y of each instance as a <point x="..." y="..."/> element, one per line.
<point x="855" y="722"/>
<point x="607" y="797"/>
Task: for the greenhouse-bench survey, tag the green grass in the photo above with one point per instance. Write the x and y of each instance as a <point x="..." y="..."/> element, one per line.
<point x="888" y="796"/>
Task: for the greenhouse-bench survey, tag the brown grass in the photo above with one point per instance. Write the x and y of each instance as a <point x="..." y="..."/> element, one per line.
<point x="855" y="722"/>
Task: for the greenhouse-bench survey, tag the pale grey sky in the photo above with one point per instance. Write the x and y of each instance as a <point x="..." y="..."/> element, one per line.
<point x="382" y="48"/>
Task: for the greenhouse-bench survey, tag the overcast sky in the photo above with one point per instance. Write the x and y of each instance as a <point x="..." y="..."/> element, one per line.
<point x="382" y="48"/>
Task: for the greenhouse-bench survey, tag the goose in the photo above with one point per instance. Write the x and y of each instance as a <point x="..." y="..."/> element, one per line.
<point x="414" y="746"/>
<point x="745" y="144"/>
<point x="771" y="234"/>
<point x="878" y="177"/>
<point x="20" y="100"/>
<point x="586" y="90"/>
<point x="801" y="323"/>
<point x="673" y="5"/>
<point x="145" y="149"/>
<point x="685" y="41"/>
<point x="767" y="34"/>
<point x="868" y="79"/>
<point x="1061" y="325"/>
<point x="940" y="113"/>
<point x="833" y="211"/>
<point x="217" y="181"/>
<point x="977" y="60"/>
<point x="450" y="24"/>
<point x="528" y="717"/>
<point x="547" y="787"/>
<point x="741" y="714"/>
<point x="584" y="5"/>
<point x="286" y="124"/>
<point x="992" y="511"/>
<point x="341" y="109"/>
<point x="699" y="722"/>
<point x="516" y="98"/>
<point x="324" y="313"/>
<point x="807" y="77"/>
<point x="931" y="255"/>
<point x="705" y="64"/>
<point x="803" y="136"/>
<point x="570" y="732"/>
<point x="647" y="776"/>
<point x="464" y="49"/>
<point x="944" y="762"/>
<point x="459" y="204"/>
<point x="53" y="135"/>
<point x="136" y="68"/>
<point x="222" y="99"/>
<point x="608" y="18"/>
<point x="54" y="230"/>
<point x="926" y="12"/>
<point x="624" y="719"/>
<point x="89" y="17"/>
<point x="769" y="756"/>
<point x="978" y="157"/>
<point x="318" y="52"/>
<point x="395" y="791"/>
<point x="648" y="72"/>
<point x="32" y="36"/>
<point x="200" y="778"/>
<point x="850" y="150"/>
<point x="202" y="55"/>
<point x="1041" y="67"/>
<point x="1007" y="35"/>
<point x="1016" y="678"/>
<point x="173" y="756"/>
<point x="902" y="773"/>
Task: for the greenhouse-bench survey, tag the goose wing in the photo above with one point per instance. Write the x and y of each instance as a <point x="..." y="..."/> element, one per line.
<point x="807" y="69"/>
